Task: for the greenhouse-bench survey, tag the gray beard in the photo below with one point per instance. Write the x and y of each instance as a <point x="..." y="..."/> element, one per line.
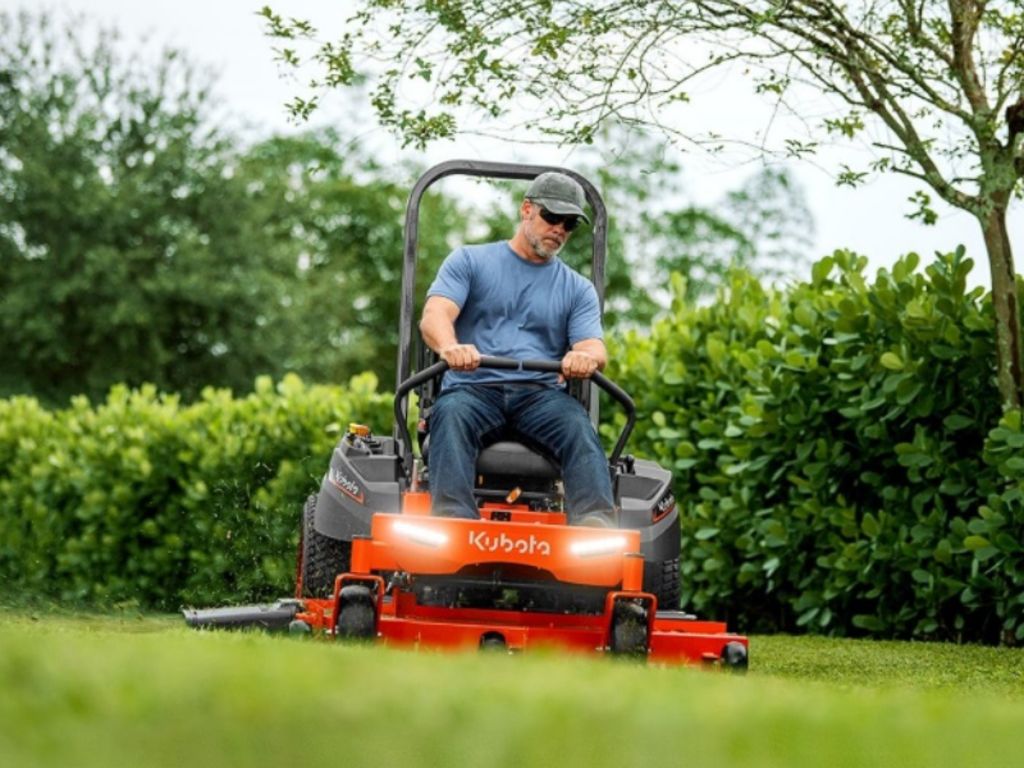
<point x="539" y="248"/>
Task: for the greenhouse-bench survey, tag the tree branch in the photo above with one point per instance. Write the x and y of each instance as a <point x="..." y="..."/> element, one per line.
<point x="1016" y="49"/>
<point x="914" y="13"/>
<point x="854" y="39"/>
<point x="964" y="15"/>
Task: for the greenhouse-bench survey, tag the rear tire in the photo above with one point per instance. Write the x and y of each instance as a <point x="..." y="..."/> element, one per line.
<point x="661" y="579"/>
<point x="323" y="558"/>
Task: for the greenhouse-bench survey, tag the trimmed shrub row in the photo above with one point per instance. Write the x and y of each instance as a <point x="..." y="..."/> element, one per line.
<point x="842" y="466"/>
<point x="840" y="461"/>
<point x="147" y="500"/>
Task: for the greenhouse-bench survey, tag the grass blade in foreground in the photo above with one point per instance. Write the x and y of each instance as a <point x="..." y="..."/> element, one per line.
<point x="77" y="694"/>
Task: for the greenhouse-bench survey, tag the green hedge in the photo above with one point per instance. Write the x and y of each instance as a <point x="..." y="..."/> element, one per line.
<point x="842" y="465"/>
<point x="144" y="499"/>
<point x="836" y="457"/>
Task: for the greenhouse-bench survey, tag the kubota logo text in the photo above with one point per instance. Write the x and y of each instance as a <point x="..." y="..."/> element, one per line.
<point x="346" y="486"/>
<point x="522" y="545"/>
<point x="664" y="506"/>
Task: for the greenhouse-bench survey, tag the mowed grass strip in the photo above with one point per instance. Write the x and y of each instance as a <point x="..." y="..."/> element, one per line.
<point x="86" y="691"/>
<point x="841" y="663"/>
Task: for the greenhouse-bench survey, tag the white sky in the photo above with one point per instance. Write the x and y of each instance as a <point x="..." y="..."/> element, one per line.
<point x="227" y="36"/>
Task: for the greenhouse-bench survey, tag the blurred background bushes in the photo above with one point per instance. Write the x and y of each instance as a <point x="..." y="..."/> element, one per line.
<point x="148" y="500"/>
<point x="841" y="459"/>
<point x="143" y="241"/>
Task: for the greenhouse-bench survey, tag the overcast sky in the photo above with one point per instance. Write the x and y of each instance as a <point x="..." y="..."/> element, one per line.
<point x="227" y="36"/>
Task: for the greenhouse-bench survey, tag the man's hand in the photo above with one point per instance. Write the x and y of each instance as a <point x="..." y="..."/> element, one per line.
<point x="461" y="357"/>
<point x="579" y="365"/>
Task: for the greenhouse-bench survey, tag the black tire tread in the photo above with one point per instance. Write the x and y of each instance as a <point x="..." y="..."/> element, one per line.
<point x="661" y="579"/>
<point x="355" y="622"/>
<point x="357" y="617"/>
<point x="323" y="558"/>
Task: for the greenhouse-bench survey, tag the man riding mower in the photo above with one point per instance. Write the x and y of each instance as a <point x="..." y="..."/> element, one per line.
<point x="380" y="560"/>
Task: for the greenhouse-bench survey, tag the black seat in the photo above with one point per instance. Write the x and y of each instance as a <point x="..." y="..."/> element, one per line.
<point x="507" y="458"/>
<point x="510" y="458"/>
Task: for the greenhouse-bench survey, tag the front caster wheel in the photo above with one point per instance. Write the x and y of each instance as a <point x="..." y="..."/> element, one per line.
<point x="629" y="630"/>
<point x="357" y="618"/>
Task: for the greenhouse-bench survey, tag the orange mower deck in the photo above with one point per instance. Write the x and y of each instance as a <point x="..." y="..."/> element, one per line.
<point x="365" y="605"/>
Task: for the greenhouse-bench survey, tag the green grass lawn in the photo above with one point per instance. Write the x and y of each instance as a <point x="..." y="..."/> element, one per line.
<point x="83" y="690"/>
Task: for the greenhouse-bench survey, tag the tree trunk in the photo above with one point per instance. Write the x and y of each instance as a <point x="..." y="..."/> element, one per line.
<point x="1004" y="301"/>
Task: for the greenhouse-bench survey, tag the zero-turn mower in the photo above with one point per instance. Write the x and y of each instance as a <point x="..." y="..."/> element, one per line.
<point x="374" y="564"/>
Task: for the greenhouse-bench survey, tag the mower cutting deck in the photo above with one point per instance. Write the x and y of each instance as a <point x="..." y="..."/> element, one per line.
<point x="549" y="585"/>
<point x="432" y="611"/>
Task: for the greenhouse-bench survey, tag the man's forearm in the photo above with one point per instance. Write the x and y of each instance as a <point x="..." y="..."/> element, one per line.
<point x="437" y="325"/>
<point x="438" y="331"/>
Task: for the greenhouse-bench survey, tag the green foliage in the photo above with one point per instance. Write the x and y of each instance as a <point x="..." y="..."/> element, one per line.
<point x="827" y="443"/>
<point x="321" y="204"/>
<point x="122" y="254"/>
<point x="142" y="498"/>
<point x="996" y="534"/>
<point x="941" y="83"/>
<point x="836" y="450"/>
<point x="934" y="78"/>
<point x="763" y="225"/>
<point x="139" y="244"/>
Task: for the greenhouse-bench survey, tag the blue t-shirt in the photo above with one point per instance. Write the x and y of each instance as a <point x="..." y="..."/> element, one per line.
<point x="511" y="307"/>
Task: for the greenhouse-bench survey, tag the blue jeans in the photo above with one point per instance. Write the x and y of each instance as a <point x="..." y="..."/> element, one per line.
<point x="463" y="419"/>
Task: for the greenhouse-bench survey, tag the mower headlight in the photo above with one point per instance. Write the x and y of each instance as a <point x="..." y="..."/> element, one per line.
<point x="420" y="534"/>
<point x="592" y="547"/>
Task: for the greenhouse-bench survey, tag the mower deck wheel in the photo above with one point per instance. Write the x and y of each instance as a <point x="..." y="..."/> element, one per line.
<point x="735" y="657"/>
<point x="300" y="628"/>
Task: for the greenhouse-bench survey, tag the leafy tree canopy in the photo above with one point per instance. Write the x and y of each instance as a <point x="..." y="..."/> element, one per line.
<point x="324" y="206"/>
<point x="121" y="251"/>
<point x="140" y="243"/>
<point x="935" y="88"/>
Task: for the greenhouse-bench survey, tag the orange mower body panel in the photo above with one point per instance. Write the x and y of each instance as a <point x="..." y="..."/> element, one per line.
<point x="444" y="546"/>
<point x="509" y="537"/>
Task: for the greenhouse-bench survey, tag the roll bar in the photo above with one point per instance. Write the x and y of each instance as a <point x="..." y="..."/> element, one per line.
<point x="480" y="168"/>
<point x="407" y="322"/>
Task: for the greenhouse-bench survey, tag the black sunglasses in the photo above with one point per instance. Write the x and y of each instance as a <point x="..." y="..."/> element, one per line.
<point x="568" y="221"/>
